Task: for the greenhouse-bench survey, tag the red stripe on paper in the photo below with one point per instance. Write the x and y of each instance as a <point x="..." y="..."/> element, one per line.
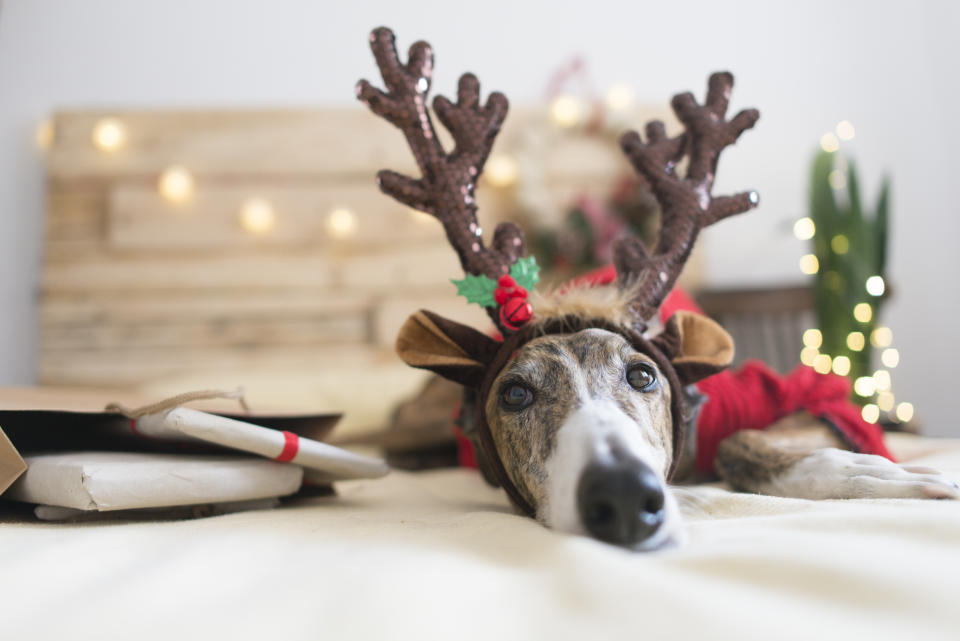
<point x="291" y="445"/>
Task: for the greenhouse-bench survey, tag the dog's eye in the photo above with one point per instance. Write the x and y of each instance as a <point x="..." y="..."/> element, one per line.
<point x="516" y="397"/>
<point x="641" y="377"/>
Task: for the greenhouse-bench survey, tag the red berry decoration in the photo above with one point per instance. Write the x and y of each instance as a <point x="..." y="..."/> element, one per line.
<point x="516" y="312"/>
<point x="507" y="281"/>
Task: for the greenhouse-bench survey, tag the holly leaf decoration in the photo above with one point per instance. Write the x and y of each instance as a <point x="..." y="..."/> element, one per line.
<point x="477" y="289"/>
<point x="526" y="272"/>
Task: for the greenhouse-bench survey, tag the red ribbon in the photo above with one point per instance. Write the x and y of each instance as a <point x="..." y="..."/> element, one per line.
<point x="291" y="445"/>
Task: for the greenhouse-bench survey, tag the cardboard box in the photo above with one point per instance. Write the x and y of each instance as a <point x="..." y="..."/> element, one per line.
<point x="11" y="464"/>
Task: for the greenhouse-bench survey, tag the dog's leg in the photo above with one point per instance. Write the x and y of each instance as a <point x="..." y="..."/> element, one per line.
<point x="800" y="457"/>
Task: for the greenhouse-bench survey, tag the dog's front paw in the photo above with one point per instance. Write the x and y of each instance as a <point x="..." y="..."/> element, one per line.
<point x="838" y="474"/>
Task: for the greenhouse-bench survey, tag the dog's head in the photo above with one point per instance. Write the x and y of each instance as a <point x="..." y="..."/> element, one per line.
<point x="579" y="414"/>
<point x="583" y="426"/>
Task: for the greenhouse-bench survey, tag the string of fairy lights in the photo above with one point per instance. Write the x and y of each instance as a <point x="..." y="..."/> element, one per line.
<point x="876" y="388"/>
<point x="177" y="185"/>
<point x="259" y="216"/>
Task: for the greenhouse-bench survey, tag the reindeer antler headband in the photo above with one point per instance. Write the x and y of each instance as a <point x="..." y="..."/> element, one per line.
<point x="498" y="278"/>
<point x="448" y="180"/>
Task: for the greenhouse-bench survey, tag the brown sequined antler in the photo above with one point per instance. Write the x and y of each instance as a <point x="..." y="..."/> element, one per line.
<point x="445" y="188"/>
<point x="686" y="204"/>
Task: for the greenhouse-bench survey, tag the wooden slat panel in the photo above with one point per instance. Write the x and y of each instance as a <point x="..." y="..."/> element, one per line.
<point x="240" y="143"/>
<point x="80" y="225"/>
<point x="291" y="143"/>
<point x="391" y="312"/>
<point x="405" y="269"/>
<point x="75" y="220"/>
<point x="136" y="273"/>
<point x="240" y="333"/>
<point x="136" y="366"/>
<point x="139" y="218"/>
<point x="146" y="307"/>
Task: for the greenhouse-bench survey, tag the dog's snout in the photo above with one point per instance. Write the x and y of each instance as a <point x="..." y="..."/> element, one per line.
<point x="620" y="503"/>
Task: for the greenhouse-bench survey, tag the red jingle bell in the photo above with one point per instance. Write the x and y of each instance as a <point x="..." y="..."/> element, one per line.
<point x="515" y="313"/>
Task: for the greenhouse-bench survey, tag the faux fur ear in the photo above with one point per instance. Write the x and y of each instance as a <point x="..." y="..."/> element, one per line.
<point x="454" y="351"/>
<point x="696" y="346"/>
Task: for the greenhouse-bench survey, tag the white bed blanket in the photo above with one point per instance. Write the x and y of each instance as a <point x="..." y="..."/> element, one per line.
<point x="440" y="555"/>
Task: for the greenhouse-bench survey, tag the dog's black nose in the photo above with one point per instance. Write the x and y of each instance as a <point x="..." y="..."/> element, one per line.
<point x="620" y="503"/>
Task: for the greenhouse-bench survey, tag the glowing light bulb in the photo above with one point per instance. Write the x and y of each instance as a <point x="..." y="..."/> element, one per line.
<point x="813" y="338"/>
<point x="501" y="170"/>
<point x="258" y="216"/>
<point x="890" y="357"/>
<point x="841" y="365"/>
<point x="566" y="111"/>
<point x="341" y="223"/>
<point x="808" y="355"/>
<point x="809" y="264"/>
<point x="905" y="412"/>
<point x="822" y="364"/>
<point x="885" y="401"/>
<point x="856" y="341"/>
<point x="829" y="142"/>
<point x="44" y="134"/>
<point x="837" y="179"/>
<point x="881" y="337"/>
<point x="863" y="312"/>
<point x="109" y="134"/>
<point x="864" y="386"/>
<point x="619" y="97"/>
<point x="881" y="380"/>
<point x="840" y="244"/>
<point x="875" y="286"/>
<point x="804" y="229"/>
<point x="870" y="413"/>
<point x="845" y="130"/>
<point x="175" y="184"/>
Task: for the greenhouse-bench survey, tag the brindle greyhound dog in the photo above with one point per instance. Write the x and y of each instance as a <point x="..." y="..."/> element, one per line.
<point x="580" y="411"/>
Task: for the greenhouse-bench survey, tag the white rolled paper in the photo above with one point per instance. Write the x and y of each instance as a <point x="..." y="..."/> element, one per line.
<point x="269" y="443"/>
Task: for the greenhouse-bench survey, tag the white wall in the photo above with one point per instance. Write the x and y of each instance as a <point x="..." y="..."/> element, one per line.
<point x="890" y="67"/>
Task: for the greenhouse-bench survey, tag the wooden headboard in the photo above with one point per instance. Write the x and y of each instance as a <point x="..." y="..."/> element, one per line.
<point x="145" y="293"/>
